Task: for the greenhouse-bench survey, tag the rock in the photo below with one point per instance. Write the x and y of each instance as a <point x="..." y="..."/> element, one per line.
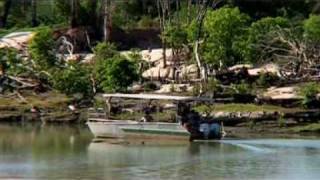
<point x="158" y="72"/>
<point x="239" y="67"/>
<point x="73" y="58"/>
<point x="87" y="58"/>
<point x="16" y="40"/>
<point x="268" y="68"/>
<point x="168" y="88"/>
<point x="282" y="93"/>
<point x="136" y="88"/>
<point x="152" y="56"/>
<point x="189" y="71"/>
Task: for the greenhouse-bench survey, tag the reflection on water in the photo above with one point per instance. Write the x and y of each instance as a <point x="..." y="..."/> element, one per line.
<point x="51" y="152"/>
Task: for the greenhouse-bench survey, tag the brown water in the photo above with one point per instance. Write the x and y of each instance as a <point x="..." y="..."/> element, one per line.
<point x="51" y="152"/>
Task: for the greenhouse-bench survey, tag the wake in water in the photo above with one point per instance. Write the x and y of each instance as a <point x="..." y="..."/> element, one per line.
<point x="255" y="145"/>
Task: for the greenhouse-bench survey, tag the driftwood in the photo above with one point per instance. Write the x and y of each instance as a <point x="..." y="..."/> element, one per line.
<point x="298" y="57"/>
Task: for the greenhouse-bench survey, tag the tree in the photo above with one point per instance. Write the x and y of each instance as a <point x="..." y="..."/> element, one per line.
<point x="312" y="28"/>
<point x="223" y="29"/>
<point x="164" y="11"/>
<point x="74" y="13"/>
<point x="199" y="25"/>
<point x="251" y="45"/>
<point x="107" y="24"/>
<point x="34" y="13"/>
<point x="6" y="10"/>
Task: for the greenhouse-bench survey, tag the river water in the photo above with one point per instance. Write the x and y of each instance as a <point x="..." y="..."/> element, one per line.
<point x="60" y="152"/>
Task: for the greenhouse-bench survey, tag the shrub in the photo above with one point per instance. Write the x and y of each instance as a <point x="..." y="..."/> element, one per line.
<point x="267" y="79"/>
<point x="312" y="28"/>
<point x="243" y="93"/>
<point x="74" y="79"/>
<point x="116" y="74"/>
<point x="242" y="88"/>
<point x="309" y="93"/>
<point x="105" y="50"/>
<point x="212" y="86"/>
<point x="150" y="86"/>
<point x="9" y="61"/>
<point x="41" y="49"/>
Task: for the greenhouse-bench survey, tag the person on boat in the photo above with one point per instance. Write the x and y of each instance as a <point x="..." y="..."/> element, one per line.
<point x="190" y="120"/>
<point x="147" y="116"/>
<point x="197" y="126"/>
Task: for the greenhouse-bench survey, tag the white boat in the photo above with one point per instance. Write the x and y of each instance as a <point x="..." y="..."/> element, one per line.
<point x="107" y="128"/>
<point x="121" y="129"/>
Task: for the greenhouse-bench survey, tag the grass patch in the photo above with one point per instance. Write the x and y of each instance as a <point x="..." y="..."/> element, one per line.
<point x="233" y="107"/>
<point x="50" y="100"/>
<point x="315" y="127"/>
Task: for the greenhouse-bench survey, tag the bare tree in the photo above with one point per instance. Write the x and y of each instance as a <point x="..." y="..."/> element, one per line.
<point x="164" y="12"/>
<point x="5" y="14"/>
<point x="298" y="57"/>
<point x="202" y="11"/>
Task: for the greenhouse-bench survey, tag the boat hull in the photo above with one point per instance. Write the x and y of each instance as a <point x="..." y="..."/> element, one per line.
<point x="132" y="129"/>
<point x="108" y="129"/>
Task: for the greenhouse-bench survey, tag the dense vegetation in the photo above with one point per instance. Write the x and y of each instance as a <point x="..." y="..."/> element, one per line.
<point x="213" y="34"/>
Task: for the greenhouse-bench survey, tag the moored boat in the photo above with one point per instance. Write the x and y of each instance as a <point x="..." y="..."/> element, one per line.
<point x="188" y="123"/>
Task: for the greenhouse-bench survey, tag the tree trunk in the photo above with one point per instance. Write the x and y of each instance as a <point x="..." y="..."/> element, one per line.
<point x="163" y="11"/>
<point x="4" y="16"/>
<point x="34" y="13"/>
<point x="200" y="19"/>
<point x="93" y="15"/>
<point x="106" y="21"/>
<point x="189" y="11"/>
<point x="74" y="13"/>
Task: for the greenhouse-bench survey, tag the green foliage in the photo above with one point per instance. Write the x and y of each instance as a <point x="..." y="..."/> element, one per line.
<point x="116" y="74"/>
<point x="10" y="62"/>
<point x="135" y="55"/>
<point x="147" y="22"/>
<point x="267" y="79"/>
<point x="223" y="29"/>
<point x="41" y="49"/>
<point x="150" y="86"/>
<point x="196" y="89"/>
<point x="282" y="120"/>
<point x="74" y="79"/>
<point x="212" y="86"/>
<point x="259" y="32"/>
<point x="312" y="28"/>
<point x="176" y="36"/>
<point x="242" y="88"/>
<point x="309" y="93"/>
<point x="105" y="50"/>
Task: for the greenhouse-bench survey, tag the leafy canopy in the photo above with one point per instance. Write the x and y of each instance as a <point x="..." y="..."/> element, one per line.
<point x="259" y="32"/>
<point x="223" y="28"/>
<point x="312" y="28"/>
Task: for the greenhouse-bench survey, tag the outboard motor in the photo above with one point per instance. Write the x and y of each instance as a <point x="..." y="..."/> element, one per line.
<point x="210" y="130"/>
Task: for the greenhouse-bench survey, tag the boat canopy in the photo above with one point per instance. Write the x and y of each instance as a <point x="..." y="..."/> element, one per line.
<point x="157" y="97"/>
